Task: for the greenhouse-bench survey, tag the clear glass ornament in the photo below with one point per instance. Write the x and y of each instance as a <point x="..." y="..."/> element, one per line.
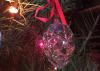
<point x="58" y="44"/>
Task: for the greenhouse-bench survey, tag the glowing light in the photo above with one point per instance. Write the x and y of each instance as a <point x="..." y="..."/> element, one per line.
<point x="8" y="0"/>
<point x="41" y="44"/>
<point x="13" y="10"/>
<point x="64" y="42"/>
<point x="55" y="68"/>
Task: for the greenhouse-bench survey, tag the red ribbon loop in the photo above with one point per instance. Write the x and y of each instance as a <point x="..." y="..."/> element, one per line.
<point x="58" y="8"/>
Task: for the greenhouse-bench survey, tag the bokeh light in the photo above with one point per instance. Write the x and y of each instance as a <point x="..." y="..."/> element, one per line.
<point x="12" y="9"/>
<point x="41" y="44"/>
<point x="8" y="0"/>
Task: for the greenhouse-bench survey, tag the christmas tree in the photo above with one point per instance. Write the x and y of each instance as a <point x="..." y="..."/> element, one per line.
<point x="29" y="39"/>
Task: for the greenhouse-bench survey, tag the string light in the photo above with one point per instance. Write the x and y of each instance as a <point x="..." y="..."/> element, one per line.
<point x="8" y="0"/>
<point x="12" y="9"/>
<point x="55" y="68"/>
<point x="41" y="44"/>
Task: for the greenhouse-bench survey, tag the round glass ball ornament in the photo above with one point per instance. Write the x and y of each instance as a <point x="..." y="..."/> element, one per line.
<point x="58" y="44"/>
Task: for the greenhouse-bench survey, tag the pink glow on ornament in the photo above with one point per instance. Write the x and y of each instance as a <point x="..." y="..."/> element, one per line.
<point x="41" y="44"/>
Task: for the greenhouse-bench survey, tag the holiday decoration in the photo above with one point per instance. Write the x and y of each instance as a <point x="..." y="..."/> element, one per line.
<point x="55" y="45"/>
<point x="57" y="40"/>
<point x="13" y="10"/>
<point x="58" y="44"/>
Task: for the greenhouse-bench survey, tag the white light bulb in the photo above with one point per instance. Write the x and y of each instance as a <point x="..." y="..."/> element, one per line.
<point x="55" y="68"/>
<point x="64" y="42"/>
<point x="8" y="0"/>
<point x="13" y="10"/>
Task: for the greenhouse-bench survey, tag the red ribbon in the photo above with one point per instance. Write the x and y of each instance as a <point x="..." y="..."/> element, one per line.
<point x="58" y="8"/>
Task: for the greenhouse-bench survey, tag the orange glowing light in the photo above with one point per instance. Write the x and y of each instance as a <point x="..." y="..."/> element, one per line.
<point x="13" y="9"/>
